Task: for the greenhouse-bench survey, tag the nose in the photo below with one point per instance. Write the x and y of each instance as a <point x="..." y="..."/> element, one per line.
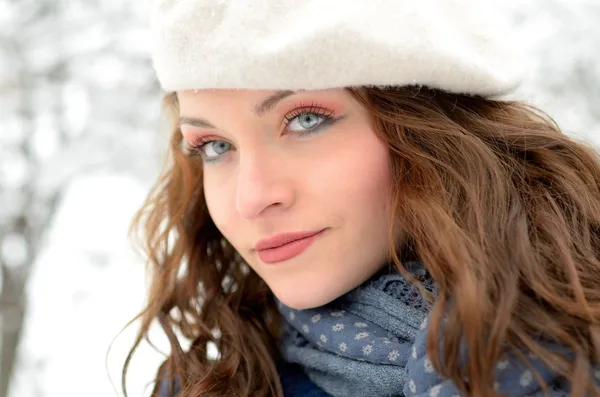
<point x="263" y="185"/>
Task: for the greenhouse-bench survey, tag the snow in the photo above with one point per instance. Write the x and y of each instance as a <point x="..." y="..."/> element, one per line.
<point x="6" y="12"/>
<point x="13" y="251"/>
<point x="13" y="169"/>
<point x="108" y="71"/>
<point x="45" y="140"/>
<point x="76" y="102"/>
<point x="77" y="90"/>
<point x="87" y="284"/>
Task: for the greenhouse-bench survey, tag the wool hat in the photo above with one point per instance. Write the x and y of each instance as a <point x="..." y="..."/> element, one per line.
<point x="460" y="46"/>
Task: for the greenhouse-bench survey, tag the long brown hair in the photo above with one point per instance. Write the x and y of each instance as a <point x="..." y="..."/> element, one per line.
<point x="500" y="206"/>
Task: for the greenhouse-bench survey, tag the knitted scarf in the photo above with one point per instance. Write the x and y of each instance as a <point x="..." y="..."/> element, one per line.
<point x="372" y="342"/>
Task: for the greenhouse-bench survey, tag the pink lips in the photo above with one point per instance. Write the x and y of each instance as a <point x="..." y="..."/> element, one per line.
<point x="285" y="246"/>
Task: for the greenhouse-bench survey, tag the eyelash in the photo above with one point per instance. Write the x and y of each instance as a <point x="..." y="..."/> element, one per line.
<point x="327" y="114"/>
<point x="196" y="146"/>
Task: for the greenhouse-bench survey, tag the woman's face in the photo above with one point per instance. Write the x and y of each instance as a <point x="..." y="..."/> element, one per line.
<point x="279" y="166"/>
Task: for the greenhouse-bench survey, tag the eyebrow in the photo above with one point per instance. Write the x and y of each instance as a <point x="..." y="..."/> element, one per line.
<point x="271" y="101"/>
<point x="259" y="109"/>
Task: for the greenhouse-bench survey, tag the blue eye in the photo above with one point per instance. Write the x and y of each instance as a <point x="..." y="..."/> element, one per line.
<point x="210" y="150"/>
<point x="301" y="122"/>
<point x="305" y="121"/>
<point x="217" y="147"/>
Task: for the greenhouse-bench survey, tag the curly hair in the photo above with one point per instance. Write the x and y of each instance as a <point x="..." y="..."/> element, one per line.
<point x="501" y="207"/>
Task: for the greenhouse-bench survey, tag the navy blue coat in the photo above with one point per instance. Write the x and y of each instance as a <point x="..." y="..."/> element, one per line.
<point x="294" y="382"/>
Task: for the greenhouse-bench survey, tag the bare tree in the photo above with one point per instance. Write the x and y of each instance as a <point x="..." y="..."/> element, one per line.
<point x="76" y="96"/>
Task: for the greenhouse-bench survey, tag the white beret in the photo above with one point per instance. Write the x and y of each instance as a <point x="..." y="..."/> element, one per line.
<point x="456" y="45"/>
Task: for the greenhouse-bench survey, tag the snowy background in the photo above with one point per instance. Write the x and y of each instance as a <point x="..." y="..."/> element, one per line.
<point x="80" y="145"/>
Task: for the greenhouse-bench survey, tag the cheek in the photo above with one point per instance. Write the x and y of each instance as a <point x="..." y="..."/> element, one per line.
<point x="373" y="191"/>
<point x="374" y="176"/>
<point x="357" y="174"/>
<point x="219" y="208"/>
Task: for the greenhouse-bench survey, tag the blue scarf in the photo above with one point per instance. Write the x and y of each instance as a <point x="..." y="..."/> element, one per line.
<point x="372" y="342"/>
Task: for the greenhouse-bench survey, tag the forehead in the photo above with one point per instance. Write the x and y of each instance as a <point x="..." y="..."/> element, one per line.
<point x="221" y="94"/>
<point x="257" y="100"/>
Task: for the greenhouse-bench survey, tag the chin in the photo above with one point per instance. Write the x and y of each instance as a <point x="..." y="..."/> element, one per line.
<point x="305" y="298"/>
<point x="302" y="302"/>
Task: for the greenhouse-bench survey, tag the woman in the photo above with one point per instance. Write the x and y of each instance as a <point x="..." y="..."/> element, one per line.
<point x="351" y="208"/>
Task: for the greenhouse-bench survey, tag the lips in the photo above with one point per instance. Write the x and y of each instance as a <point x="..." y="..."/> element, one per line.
<point x="285" y="246"/>
<point x="282" y="239"/>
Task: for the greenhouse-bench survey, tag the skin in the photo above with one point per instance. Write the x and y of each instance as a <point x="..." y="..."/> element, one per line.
<point x="269" y="179"/>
